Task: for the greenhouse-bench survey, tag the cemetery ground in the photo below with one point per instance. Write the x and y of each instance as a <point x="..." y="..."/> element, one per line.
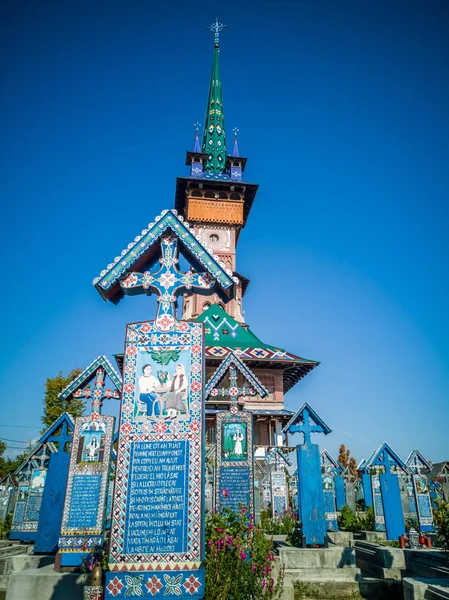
<point x="247" y="561"/>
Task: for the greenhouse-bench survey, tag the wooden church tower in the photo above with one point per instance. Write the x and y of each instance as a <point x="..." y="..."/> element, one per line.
<point x="216" y="201"/>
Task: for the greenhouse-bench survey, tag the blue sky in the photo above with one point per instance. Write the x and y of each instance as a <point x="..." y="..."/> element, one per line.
<point x="342" y="111"/>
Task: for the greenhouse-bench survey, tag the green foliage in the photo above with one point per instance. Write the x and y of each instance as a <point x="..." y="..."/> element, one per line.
<point x="5" y="526"/>
<point x="411" y="522"/>
<point x="294" y="538"/>
<point x="9" y="465"/>
<point x="351" y="522"/>
<point x="239" y="559"/>
<point x="441" y="520"/>
<point x="163" y="357"/>
<point x="368" y="521"/>
<point x="280" y="526"/>
<point x="53" y="406"/>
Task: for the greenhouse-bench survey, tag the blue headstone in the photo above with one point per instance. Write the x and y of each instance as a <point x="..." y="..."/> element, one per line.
<point x="330" y="468"/>
<point x="83" y="519"/>
<point x="387" y="502"/>
<point x="31" y="475"/>
<point x="50" y="515"/>
<point x="157" y="532"/>
<point x="234" y="472"/>
<point x="310" y="492"/>
<point x="421" y="489"/>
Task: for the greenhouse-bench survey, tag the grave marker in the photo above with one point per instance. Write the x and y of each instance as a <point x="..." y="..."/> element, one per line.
<point x="31" y="476"/>
<point x="8" y="495"/>
<point x="278" y="458"/>
<point x="366" y="483"/>
<point x="234" y="472"/>
<point x="82" y="527"/>
<point x="50" y="513"/>
<point x="157" y="533"/>
<point x="329" y="468"/>
<point x="310" y="491"/>
<point x="419" y="466"/>
<point x="388" y="511"/>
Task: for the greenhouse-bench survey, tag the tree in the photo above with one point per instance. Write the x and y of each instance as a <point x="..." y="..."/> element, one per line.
<point x="346" y="460"/>
<point x="54" y="406"/>
<point x="9" y="465"/>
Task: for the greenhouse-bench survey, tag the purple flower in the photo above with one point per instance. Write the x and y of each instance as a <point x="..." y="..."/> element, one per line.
<point x="242" y="555"/>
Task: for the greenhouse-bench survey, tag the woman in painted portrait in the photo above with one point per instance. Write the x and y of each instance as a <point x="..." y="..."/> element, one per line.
<point x="238" y="439"/>
<point x="176" y="401"/>
<point x="92" y="450"/>
<point x="147" y="398"/>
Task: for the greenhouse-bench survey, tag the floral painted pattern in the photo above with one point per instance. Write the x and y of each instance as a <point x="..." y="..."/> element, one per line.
<point x="115" y="587"/>
<point x="192" y="584"/>
<point x="153" y="585"/>
<point x="173" y="585"/>
<point x="134" y="585"/>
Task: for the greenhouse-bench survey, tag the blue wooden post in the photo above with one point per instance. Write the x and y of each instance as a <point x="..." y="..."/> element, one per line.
<point x="340" y="493"/>
<point x="391" y="500"/>
<point x="367" y="492"/>
<point x="50" y="514"/>
<point x="310" y="490"/>
<point x="311" y="494"/>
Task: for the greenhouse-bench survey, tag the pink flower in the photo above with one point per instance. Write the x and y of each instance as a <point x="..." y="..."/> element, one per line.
<point x="270" y="557"/>
<point x="264" y="583"/>
<point x="242" y="555"/>
<point x="253" y="567"/>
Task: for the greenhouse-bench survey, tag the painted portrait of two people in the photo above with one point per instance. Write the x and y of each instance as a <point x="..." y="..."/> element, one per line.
<point x="164" y="394"/>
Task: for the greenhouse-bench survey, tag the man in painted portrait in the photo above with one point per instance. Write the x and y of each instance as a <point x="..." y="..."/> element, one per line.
<point x="176" y="401"/>
<point x="147" y="396"/>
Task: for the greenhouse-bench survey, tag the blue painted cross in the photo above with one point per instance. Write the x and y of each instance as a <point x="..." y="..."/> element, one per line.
<point x="99" y="394"/>
<point x="306" y="427"/>
<point x="167" y="283"/>
<point x="63" y="438"/>
<point x="384" y="461"/>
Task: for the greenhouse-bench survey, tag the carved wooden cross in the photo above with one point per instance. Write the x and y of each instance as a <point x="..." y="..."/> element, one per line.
<point x="63" y="438"/>
<point x="167" y="283"/>
<point x="98" y="394"/>
<point x="234" y="391"/>
<point x="306" y="427"/>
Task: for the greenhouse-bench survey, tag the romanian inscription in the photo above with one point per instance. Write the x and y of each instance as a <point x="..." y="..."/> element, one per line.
<point x="157" y="498"/>
<point x="33" y="507"/>
<point x="234" y="487"/>
<point x="85" y="501"/>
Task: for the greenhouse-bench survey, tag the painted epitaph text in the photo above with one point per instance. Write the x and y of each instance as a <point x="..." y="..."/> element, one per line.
<point x="82" y="525"/>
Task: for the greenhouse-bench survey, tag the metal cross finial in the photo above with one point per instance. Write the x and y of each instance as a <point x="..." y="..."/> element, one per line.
<point x="197" y="126"/>
<point x="235" y="130"/>
<point x="216" y="28"/>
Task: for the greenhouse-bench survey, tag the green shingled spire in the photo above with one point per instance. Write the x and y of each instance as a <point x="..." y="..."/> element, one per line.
<point x="214" y="137"/>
